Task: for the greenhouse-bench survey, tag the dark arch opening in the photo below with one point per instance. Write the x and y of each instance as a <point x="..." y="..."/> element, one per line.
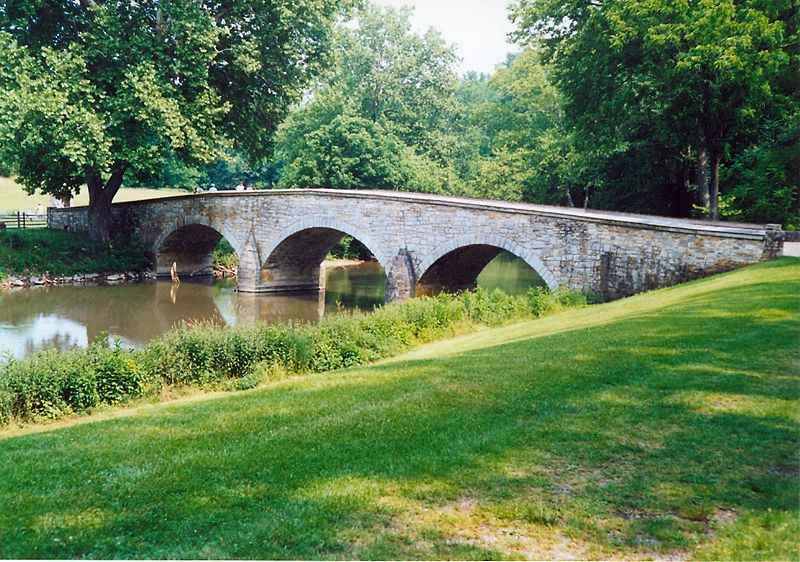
<point x="295" y="265"/>
<point x="191" y="248"/>
<point x="483" y="265"/>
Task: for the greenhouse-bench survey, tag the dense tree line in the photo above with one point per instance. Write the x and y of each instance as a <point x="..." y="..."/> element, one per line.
<point x="631" y="105"/>
<point x="682" y="109"/>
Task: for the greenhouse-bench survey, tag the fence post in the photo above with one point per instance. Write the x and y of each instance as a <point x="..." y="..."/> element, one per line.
<point x="19" y="222"/>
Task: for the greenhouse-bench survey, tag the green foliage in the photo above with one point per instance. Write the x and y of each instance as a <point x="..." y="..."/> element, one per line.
<point x="347" y="152"/>
<point x="231" y="167"/>
<point x="382" y="117"/>
<point x="762" y="181"/>
<point x="118" y="376"/>
<point x="530" y="154"/>
<point x="51" y="385"/>
<point x="541" y="301"/>
<point x="103" y="89"/>
<point x="224" y="255"/>
<point x="350" y="248"/>
<point x="66" y="253"/>
<point x="649" y="84"/>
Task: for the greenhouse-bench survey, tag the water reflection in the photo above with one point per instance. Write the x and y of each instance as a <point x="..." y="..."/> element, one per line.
<point x="510" y="274"/>
<point x="65" y="317"/>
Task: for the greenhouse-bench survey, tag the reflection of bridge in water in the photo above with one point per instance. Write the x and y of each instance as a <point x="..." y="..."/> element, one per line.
<point x="66" y="317"/>
<point x="421" y="240"/>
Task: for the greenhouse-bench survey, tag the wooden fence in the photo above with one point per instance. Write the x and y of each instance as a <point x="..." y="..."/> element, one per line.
<point x="22" y="219"/>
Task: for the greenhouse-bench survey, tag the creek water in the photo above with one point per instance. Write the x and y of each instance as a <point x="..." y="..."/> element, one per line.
<point x="73" y="316"/>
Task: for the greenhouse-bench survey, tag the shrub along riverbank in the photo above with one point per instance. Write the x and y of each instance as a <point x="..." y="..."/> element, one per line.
<point x="51" y="384"/>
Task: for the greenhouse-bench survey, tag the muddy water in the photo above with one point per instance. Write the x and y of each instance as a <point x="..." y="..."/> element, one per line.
<point x="65" y="317"/>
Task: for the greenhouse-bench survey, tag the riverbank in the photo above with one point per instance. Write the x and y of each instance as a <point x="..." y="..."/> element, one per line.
<point x="49" y="384"/>
<point x="43" y="256"/>
<point x="44" y="279"/>
<point x="663" y="426"/>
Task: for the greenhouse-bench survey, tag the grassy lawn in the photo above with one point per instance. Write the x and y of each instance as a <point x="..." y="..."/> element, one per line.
<point x="663" y="426"/>
<point x="14" y="198"/>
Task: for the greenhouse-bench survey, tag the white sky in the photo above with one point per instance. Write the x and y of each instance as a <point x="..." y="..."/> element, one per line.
<point x="477" y="28"/>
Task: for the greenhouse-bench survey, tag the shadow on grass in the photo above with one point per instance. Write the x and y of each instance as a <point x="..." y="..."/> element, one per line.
<point x="645" y="435"/>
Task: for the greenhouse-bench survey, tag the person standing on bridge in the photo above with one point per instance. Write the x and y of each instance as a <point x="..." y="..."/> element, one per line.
<point x="240" y="187"/>
<point x="213" y="188"/>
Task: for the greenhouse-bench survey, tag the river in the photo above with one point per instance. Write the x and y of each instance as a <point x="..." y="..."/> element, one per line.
<point x="73" y="316"/>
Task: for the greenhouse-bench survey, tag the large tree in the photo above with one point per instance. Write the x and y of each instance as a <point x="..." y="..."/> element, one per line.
<point x="95" y="89"/>
<point x="658" y="81"/>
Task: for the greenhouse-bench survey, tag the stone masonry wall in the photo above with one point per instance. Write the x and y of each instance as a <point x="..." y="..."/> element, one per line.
<point x="610" y="254"/>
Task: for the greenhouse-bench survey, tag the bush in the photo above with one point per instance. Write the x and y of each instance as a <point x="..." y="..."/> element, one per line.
<point x="117" y="375"/>
<point x="540" y="301"/>
<point x="50" y="384"/>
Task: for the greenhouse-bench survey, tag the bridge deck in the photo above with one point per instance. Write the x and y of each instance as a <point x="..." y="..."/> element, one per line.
<point x="737" y="230"/>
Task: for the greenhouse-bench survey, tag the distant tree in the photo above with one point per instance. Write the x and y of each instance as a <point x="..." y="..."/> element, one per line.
<point x="658" y="83"/>
<point x="328" y="144"/>
<point x="530" y="151"/>
<point x="394" y="75"/>
<point x="94" y="89"/>
<point x="382" y="117"/>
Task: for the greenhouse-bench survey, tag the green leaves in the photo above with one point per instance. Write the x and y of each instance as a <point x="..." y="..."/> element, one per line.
<point x="96" y="87"/>
<point x="381" y="117"/>
<point x="48" y="132"/>
<point x="647" y="84"/>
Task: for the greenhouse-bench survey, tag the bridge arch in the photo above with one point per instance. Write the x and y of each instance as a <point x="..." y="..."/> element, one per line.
<point x="457" y="263"/>
<point x="291" y="259"/>
<point x="190" y="241"/>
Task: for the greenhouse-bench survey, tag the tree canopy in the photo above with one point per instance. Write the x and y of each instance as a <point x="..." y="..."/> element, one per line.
<point x="673" y="108"/>
<point x="660" y="86"/>
<point x="96" y="89"/>
<point x="381" y="117"/>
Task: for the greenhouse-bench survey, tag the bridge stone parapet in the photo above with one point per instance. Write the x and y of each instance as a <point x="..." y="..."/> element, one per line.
<point x="422" y="240"/>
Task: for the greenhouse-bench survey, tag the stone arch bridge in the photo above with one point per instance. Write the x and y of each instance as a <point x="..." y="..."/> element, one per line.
<point x="282" y="236"/>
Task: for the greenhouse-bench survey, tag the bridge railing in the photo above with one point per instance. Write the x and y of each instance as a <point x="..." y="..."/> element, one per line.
<point x="22" y="219"/>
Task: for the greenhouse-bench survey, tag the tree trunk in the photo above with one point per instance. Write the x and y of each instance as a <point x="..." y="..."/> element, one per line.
<point x="713" y="192"/>
<point x="100" y="197"/>
<point x="701" y="178"/>
<point x="570" y="202"/>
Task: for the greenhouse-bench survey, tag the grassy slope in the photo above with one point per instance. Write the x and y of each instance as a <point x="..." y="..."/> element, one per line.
<point x="662" y="425"/>
<point x="14" y="198"/>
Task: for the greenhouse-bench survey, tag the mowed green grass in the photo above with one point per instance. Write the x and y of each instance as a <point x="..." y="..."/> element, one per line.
<point x="660" y="426"/>
<point x="14" y="198"/>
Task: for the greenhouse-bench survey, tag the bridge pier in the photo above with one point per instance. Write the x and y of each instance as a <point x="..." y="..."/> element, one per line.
<point x="290" y="278"/>
<point x="400" y="279"/>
